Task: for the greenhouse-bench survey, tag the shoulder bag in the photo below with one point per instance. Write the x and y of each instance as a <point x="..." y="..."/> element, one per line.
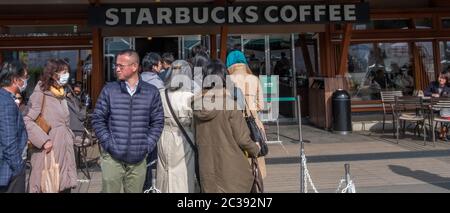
<point x="191" y="143"/>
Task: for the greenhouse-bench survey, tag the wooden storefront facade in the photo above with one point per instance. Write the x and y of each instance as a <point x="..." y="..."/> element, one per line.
<point x="332" y="41"/>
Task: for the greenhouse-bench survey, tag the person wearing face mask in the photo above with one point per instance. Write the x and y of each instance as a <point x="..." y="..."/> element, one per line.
<point x="19" y="102"/>
<point x="49" y="100"/>
<point x="13" y="140"/>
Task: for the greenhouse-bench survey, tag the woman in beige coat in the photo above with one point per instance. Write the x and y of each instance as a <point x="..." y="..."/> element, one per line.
<point x="176" y="158"/>
<point x="249" y="84"/>
<point x="56" y="114"/>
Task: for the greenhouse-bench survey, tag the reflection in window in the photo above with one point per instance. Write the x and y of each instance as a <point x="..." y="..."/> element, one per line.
<point x="43" y="30"/>
<point x="423" y="23"/>
<point x="189" y="43"/>
<point x="383" y="25"/>
<point x="385" y="66"/>
<point x="254" y="50"/>
<point x="446" y="23"/>
<point x="113" y="45"/>
<point x="36" y="60"/>
<point x="427" y="57"/>
<point x="444" y="47"/>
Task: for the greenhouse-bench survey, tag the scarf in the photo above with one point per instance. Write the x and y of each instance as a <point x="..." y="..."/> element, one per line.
<point x="59" y="93"/>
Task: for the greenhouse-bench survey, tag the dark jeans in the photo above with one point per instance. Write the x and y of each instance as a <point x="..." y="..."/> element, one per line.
<point x="17" y="184"/>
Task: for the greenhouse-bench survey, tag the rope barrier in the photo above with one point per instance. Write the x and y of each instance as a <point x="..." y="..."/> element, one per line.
<point x="152" y="190"/>
<point x="307" y="176"/>
<point x="350" y="187"/>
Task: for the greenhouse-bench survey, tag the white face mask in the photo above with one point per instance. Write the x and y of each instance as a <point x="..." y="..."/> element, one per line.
<point x="24" y="86"/>
<point x="63" y="79"/>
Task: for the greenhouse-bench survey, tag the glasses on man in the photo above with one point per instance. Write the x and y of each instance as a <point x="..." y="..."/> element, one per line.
<point x="121" y="66"/>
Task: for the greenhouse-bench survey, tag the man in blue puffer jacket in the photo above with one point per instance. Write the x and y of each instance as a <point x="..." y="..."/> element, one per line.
<point x="128" y="120"/>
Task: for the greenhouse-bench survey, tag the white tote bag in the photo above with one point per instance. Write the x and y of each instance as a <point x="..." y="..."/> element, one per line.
<point x="50" y="175"/>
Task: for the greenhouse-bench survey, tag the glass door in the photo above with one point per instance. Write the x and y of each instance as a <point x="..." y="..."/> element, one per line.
<point x="255" y="52"/>
<point x="281" y="53"/>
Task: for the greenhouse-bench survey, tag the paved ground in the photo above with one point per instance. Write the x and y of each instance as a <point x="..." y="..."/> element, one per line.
<point x="377" y="163"/>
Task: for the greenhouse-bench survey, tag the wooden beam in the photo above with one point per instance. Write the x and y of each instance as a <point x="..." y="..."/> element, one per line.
<point x="48" y="41"/>
<point x="437" y="59"/>
<point x="80" y="64"/>
<point x="223" y="43"/>
<point x="325" y="54"/>
<point x="223" y="34"/>
<point x="97" y="73"/>
<point x="306" y="55"/>
<point x="440" y="3"/>
<point x="344" y="51"/>
<point x="213" y="45"/>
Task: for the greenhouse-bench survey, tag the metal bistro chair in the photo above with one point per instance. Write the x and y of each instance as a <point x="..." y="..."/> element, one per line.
<point x="438" y="104"/>
<point x="410" y="108"/>
<point x="387" y="101"/>
<point x="81" y="144"/>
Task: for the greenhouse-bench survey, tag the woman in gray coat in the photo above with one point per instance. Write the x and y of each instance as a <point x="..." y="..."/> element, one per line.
<point x="50" y="90"/>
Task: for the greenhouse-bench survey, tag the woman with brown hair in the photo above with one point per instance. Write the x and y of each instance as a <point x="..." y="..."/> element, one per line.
<point x="48" y="101"/>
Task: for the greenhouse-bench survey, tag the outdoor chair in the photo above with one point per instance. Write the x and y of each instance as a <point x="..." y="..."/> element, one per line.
<point x="387" y="101"/>
<point x="410" y="109"/>
<point x="438" y="104"/>
<point x="82" y="143"/>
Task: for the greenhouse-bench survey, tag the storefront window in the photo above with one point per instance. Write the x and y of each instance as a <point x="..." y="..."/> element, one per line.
<point x="281" y="64"/>
<point x="233" y="42"/>
<point x="383" y="66"/>
<point x="254" y="49"/>
<point x="445" y="22"/>
<point x="113" y="45"/>
<point x="43" y="30"/>
<point x="427" y="57"/>
<point x="383" y="25"/>
<point x="444" y="47"/>
<point x="300" y="63"/>
<point x="36" y="60"/>
<point x="423" y="23"/>
<point x="189" y="43"/>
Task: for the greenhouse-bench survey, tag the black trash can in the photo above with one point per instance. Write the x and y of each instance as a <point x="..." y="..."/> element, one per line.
<point x="342" y="115"/>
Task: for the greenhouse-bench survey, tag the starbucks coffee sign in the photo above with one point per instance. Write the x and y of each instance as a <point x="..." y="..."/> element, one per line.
<point x="239" y="14"/>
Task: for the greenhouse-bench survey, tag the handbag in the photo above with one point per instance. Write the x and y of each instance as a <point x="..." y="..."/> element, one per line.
<point x="255" y="133"/>
<point x="191" y="143"/>
<point x="50" y="175"/>
<point x="40" y="121"/>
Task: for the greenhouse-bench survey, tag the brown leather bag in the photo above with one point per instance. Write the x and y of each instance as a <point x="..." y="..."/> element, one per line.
<point x="40" y="121"/>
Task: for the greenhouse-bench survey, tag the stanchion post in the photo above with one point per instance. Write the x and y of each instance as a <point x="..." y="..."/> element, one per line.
<point x="347" y="175"/>
<point x="300" y="138"/>
<point x="299" y="115"/>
